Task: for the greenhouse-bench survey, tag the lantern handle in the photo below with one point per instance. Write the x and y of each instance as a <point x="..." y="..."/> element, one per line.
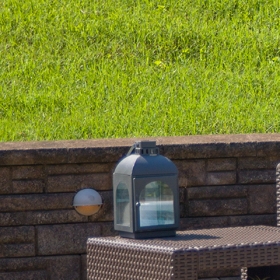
<point x="131" y="150"/>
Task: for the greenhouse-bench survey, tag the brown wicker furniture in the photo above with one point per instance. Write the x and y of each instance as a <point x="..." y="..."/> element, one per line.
<point x="183" y="256"/>
<point x="255" y="250"/>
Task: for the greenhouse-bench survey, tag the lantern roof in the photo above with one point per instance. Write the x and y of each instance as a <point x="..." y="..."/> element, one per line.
<point x="136" y="164"/>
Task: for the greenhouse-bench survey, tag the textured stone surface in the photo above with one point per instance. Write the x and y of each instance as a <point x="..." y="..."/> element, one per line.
<point x="258" y="162"/>
<point x="27" y="172"/>
<point x="221" y="178"/>
<point x="69" y="183"/>
<point x="183" y="210"/>
<point x="182" y="194"/>
<point x="41" y="217"/>
<point x="218" y="207"/>
<point x="17" y="241"/>
<point x="268" y="148"/>
<point x="26" y="202"/>
<point x="65" y="239"/>
<point x="110" y="150"/>
<point x="183" y="202"/>
<point x="5" y="185"/>
<point x="24" y="275"/>
<point x="59" y="169"/>
<point x="17" y="250"/>
<point x="231" y="191"/>
<point x="209" y="150"/>
<point x="57" y="267"/>
<point x="24" y="234"/>
<point x="221" y="164"/>
<point x="262" y="199"/>
<point x="252" y="220"/>
<point x="107" y="229"/>
<point x="16" y="154"/>
<point x="256" y="176"/>
<point x="84" y="267"/>
<point x="64" y="268"/>
<point x="96" y="154"/>
<point x="28" y="186"/>
<point x="191" y="173"/>
<point x="202" y="222"/>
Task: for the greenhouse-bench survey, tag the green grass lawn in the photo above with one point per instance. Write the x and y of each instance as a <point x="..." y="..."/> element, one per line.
<point x="93" y="68"/>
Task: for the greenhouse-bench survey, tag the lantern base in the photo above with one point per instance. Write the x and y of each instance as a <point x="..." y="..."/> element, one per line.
<point x="148" y="234"/>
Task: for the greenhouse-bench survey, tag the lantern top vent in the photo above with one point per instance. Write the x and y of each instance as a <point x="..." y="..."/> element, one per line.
<point x="146" y="148"/>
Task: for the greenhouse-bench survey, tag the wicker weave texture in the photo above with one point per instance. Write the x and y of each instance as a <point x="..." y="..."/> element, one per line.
<point x="181" y="257"/>
<point x="114" y="261"/>
<point x="185" y="265"/>
<point x="278" y="193"/>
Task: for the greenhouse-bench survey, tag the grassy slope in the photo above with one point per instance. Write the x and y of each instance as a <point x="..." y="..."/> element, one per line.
<point x="94" y="68"/>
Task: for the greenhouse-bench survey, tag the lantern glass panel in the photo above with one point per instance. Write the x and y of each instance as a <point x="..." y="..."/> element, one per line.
<point x="122" y="205"/>
<point x="156" y="205"/>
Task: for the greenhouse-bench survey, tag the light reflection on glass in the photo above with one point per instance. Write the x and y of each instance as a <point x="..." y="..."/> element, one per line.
<point x="156" y="205"/>
<point x="123" y="205"/>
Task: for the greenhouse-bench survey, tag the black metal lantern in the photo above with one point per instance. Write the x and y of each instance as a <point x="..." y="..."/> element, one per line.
<point x="146" y="193"/>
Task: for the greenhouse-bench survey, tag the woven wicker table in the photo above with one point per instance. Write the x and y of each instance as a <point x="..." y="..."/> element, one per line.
<point x="183" y="256"/>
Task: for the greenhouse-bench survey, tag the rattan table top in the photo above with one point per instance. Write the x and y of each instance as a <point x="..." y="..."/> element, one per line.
<point x="201" y="239"/>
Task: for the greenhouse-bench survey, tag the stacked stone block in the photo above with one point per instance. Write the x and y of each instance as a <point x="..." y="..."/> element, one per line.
<point x="224" y="181"/>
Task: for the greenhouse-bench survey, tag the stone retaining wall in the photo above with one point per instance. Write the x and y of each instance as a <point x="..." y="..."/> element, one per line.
<point x="225" y="180"/>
